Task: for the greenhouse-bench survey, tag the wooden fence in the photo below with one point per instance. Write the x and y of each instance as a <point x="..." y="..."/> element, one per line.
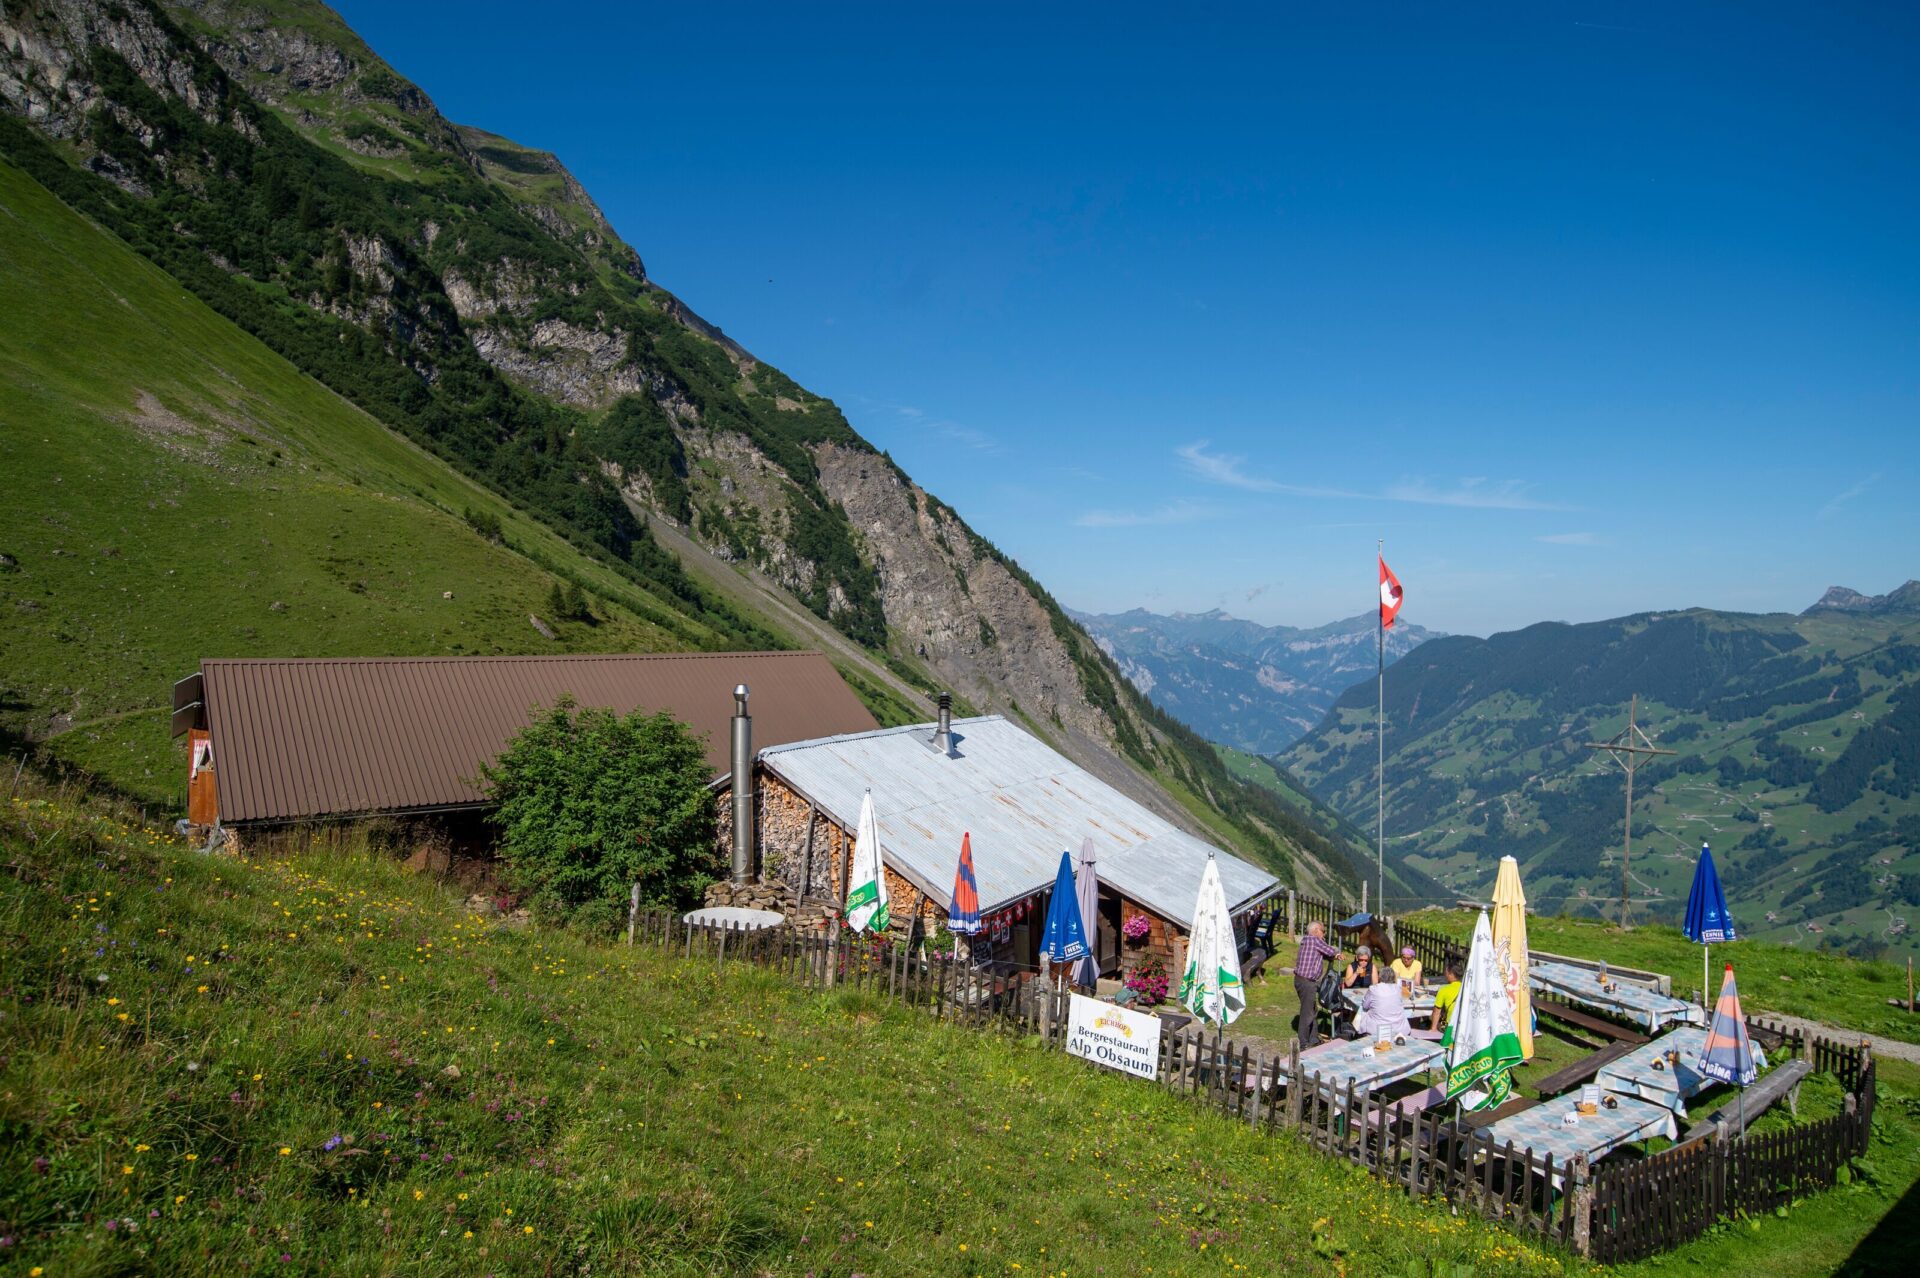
<point x="1641" y="1208"/>
<point x="1623" y="1211"/>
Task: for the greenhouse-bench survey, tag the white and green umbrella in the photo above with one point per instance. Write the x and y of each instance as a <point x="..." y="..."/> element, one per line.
<point x="867" y="893"/>
<point x="1211" y="988"/>
<point x="1482" y="1048"/>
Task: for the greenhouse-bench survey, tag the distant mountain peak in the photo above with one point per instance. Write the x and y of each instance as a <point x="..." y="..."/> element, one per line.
<point x="1241" y="683"/>
<point x="1846" y="599"/>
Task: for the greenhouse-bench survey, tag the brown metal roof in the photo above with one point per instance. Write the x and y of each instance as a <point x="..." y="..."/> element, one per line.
<point x="301" y="738"/>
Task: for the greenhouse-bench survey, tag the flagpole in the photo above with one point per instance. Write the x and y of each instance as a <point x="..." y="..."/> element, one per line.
<point x="1380" y="745"/>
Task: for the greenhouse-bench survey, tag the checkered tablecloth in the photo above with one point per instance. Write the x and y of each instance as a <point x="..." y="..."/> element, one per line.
<point x="1638" y="1003"/>
<point x="1422" y="1000"/>
<point x="1343" y="1061"/>
<point x="1544" y="1129"/>
<point x="1670" y="1085"/>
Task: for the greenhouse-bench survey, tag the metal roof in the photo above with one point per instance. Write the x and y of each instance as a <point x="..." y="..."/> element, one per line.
<point x="1023" y="804"/>
<point x="301" y="738"/>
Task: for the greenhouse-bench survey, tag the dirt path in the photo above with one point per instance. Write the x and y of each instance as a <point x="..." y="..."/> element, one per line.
<point x="1893" y="1047"/>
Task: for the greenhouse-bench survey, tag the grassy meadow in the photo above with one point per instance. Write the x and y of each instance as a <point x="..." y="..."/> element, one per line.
<point x="313" y="1060"/>
<point x="196" y="495"/>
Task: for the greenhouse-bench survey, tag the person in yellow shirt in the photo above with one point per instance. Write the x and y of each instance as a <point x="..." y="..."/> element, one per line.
<point x="1406" y="969"/>
<point x="1449" y="995"/>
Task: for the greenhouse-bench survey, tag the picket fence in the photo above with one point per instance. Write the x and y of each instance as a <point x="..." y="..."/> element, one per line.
<point x="1621" y="1211"/>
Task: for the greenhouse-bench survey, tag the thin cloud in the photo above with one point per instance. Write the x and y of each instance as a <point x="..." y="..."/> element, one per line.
<point x="1479" y="493"/>
<point x="1475" y="494"/>
<point x="1179" y="512"/>
<point x="978" y="440"/>
<point x="1222" y="468"/>
<point x="1841" y="502"/>
<point x="1572" y="539"/>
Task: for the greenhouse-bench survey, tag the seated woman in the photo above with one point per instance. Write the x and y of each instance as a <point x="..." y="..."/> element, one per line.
<point x="1406" y="968"/>
<point x="1382" y="1008"/>
<point x="1361" y="973"/>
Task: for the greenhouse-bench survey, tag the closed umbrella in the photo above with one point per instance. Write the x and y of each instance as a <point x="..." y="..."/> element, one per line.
<point x="1481" y="1046"/>
<point x="1086" y="892"/>
<point x="1211" y="988"/>
<point x="867" y="894"/>
<point x="1510" y="949"/>
<point x="963" y="910"/>
<point x="1064" y="939"/>
<point x="1727" y="1054"/>
<point x="1707" y="918"/>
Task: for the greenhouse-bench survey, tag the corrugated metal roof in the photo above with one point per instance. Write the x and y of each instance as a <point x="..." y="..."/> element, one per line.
<point x="295" y="739"/>
<point x="1023" y="804"/>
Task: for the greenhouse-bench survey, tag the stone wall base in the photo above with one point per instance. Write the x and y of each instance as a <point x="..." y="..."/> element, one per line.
<point x="771" y="894"/>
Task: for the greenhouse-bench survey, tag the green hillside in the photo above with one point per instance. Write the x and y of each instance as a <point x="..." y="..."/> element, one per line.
<point x="317" y="1062"/>
<point x="191" y="493"/>
<point x="1405" y="881"/>
<point x="1797" y="755"/>
<point x="460" y="292"/>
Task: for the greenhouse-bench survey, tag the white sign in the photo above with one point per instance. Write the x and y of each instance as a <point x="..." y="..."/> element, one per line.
<point x="1114" y="1036"/>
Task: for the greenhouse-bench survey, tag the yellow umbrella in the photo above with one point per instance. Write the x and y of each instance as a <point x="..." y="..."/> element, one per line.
<point x="1510" y="944"/>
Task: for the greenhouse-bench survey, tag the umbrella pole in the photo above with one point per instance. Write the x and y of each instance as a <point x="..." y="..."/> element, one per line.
<point x="1705" y="966"/>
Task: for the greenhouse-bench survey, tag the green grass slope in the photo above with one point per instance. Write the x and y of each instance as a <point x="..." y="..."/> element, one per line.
<point x="317" y="1062"/>
<point x="1797" y="745"/>
<point x="178" y="490"/>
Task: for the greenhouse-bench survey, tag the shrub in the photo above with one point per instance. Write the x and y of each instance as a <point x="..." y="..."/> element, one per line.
<point x="1148" y="979"/>
<point x="590" y="803"/>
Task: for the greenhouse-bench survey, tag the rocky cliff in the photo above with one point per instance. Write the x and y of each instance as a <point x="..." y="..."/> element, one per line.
<point x="467" y="291"/>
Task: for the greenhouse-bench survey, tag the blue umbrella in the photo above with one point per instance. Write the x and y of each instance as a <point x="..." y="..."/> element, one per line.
<point x="1707" y="918"/>
<point x="1065" y="938"/>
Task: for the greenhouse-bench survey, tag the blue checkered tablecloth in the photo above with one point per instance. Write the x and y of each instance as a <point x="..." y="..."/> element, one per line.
<point x="1670" y="1085"/>
<point x="1637" y="1003"/>
<point x="1421" y="1001"/>
<point x="1343" y="1061"/>
<point x="1544" y="1128"/>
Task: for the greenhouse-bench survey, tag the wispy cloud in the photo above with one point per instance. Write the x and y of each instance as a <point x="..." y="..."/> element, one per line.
<point x="1477" y="494"/>
<point x="1841" y="502"/>
<point x="1178" y="512"/>
<point x="1230" y="470"/>
<point x="967" y="435"/>
<point x="1222" y="468"/>
<point x="1572" y="539"/>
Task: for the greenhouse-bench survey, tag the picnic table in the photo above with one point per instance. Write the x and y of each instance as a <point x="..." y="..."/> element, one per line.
<point x="1354" y="1061"/>
<point x="1421" y="999"/>
<point x="1544" y="1129"/>
<point x="1628" y="1000"/>
<point x="1635" y="1074"/>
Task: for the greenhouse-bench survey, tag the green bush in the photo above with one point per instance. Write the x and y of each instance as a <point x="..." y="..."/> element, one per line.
<point x="591" y="802"/>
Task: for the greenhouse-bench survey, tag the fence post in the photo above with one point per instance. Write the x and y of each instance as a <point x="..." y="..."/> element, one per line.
<point x="1294" y="1088"/>
<point x="1293" y="912"/>
<point x="1580" y="1195"/>
<point x="633" y="911"/>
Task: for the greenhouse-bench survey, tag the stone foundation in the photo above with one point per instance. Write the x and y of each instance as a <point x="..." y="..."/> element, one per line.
<point x="773" y="895"/>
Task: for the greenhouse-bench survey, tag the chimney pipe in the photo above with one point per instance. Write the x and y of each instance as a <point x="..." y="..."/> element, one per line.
<point x="943" y="735"/>
<point x="743" y="840"/>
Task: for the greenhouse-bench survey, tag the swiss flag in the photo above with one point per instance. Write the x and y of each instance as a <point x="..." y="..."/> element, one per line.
<point x="1390" y="596"/>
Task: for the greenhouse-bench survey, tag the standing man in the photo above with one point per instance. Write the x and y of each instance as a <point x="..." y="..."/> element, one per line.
<point x="1307" y="970"/>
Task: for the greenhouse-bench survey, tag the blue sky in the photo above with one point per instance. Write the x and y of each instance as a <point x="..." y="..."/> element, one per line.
<point x="1586" y="309"/>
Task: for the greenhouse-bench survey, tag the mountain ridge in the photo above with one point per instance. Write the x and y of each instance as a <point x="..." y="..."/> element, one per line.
<point x="465" y="291"/>
<point x="1797" y="741"/>
<point x="1257" y="688"/>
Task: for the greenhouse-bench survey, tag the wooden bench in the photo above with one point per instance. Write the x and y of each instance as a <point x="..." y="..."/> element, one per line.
<point x="1587" y="1021"/>
<point x="1488" y="1117"/>
<point x="1582" y="1070"/>
<point x="1733" y="1117"/>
